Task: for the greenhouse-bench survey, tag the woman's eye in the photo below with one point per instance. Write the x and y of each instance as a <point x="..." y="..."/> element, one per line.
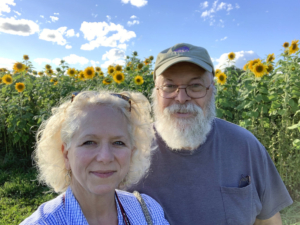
<point x="119" y="143"/>
<point x="88" y="143"/>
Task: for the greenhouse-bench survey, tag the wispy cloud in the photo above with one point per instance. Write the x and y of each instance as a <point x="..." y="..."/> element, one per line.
<point x="19" y="14"/>
<point x="5" y="6"/>
<point x="204" y="5"/>
<point x="42" y="16"/>
<point x="133" y="17"/>
<point x="55" y="36"/>
<point x="137" y="3"/>
<point x="54" y="18"/>
<point x="108" y="18"/>
<point x="94" y="15"/>
<point x="56" y="14"/>
<point x="130" y="23"/>
<point x="113" y="56"/>
<point x="68" y="46"/>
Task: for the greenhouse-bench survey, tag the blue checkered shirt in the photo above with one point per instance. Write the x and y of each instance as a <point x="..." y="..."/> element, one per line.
<point x="56" y="212"/>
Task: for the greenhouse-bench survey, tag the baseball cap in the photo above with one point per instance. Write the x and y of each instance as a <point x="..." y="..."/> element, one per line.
<point x="182" y="52"/>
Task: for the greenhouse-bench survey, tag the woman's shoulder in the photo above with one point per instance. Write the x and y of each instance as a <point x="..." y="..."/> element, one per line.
<point x="50" y="212"/>
<point x="132" y="206"/>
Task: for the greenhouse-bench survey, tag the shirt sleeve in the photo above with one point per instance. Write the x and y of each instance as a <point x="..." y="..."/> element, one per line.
<point x="275" y="196"/>
<point x="155" y="210"/>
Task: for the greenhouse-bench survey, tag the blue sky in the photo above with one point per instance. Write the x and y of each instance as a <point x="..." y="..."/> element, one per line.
<point x="100" y="33"/>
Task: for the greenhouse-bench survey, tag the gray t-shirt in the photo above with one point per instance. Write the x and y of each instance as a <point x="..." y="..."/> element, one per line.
<point x="206" y="187"/>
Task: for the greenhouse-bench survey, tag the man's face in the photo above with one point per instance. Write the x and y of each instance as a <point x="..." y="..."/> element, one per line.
<point x="183" y="122"/>
<point x="184" y="74"/>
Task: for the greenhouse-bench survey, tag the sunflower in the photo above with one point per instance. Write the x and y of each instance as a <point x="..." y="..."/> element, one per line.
<point x="259" y="69"/>
<point x="7" y="79"/>
<point x="135" y="53"/>
<point x="140" y="66"/>
<point x="138" y="80"/>
<point x="128" y="68"/>
<point x="147" y="62"/>
<point x="98" y="69"/>
<point x="26" y="57"/>
<point x="55" y="83"/>
<point x="294" y="47"/>
<point x="40" y="73"/>
<point x="270" y="68"/>
<point x="245" y="67"/>
<point x="151" y="57"/>
<point x="252" y="63"/>
<point x="49" y="72"/>
<point x="231" y="56"/>
<point x="71" y="72"/>
<point x="292" y="68"/>
<point x="58" y="69"/>
<point x="19" y="67"/>
<point x="107" y="81"/>
<point x="81" y="75"/>
<point x="89" y="72"/>
<point x="48" y="67"/>
<point x="1" y="70"/>
<point x="218" y="71"/>
<point x="119" y="77"/>
<point x="271" y="57"/>
<point x="0" y="80"/>
<point x="111" y="70"/>
<point x="20" y="87"/>
<point x="118" y="68"/>
<point x="101" y="74"/>
<point x="221" y="78"/>
<point x="286" y="44"/>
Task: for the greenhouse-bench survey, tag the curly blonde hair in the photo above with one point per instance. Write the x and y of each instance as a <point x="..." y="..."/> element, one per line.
<point x="64" y="122"/>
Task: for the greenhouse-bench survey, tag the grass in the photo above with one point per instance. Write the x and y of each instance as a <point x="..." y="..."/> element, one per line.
<point x="21" y="195"/>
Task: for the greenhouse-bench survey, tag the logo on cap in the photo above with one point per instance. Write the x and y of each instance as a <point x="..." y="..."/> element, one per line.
<point x="182" y="49"/>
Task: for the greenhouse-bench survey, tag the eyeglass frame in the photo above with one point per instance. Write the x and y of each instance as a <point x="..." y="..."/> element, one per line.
<point x="124" y="97"/>
<point x="177" y="90"/>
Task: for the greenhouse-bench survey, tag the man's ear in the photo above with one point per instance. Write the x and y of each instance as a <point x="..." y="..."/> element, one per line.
<point x="66" y="156"/>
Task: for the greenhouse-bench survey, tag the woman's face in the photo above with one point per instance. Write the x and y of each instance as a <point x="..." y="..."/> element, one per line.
<point x="100" y="152"/>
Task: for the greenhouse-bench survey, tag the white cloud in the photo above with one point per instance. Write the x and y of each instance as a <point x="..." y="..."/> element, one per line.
<point x="137" y="3"/>
<point x="7" y="63"/>
<point x="56" y="14"/>
<point x="55" y="36"/>
<point x="94" y="63"/>
<point x="130" y="23"/>
<point x="122" y="46"/>
<point x="210" y="13"/>
<point x="223" y="39"/>
<point x="18" y="27"/>
<point x="54" y="18"/>
<point x="19" y="14"/>
<point x="133" y="17"/>
<point x="75" y="59"/>
<point x="241" y="58"/>
<point x="237" y="6"/>
<point x="70" y="33"/>
<point x="4" y="6"/>
<point x="97" y="35"/>
<point x="68" y="46"/>
<point x="204" y="5"/>
<point x="113" y="56"/>
<point x="42" y="60"/>
<point x="56" y="61"/>
<point x="108" y="18"/>
<point x="41" y="16"/>
<point x="77" y="35"/>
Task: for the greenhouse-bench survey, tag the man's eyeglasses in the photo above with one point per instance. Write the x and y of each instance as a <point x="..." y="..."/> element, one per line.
<point x="192" y="90"/>
<point x="124" y="97"/>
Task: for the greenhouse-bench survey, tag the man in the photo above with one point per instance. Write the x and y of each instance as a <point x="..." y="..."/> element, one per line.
<point x="205" y="170"/>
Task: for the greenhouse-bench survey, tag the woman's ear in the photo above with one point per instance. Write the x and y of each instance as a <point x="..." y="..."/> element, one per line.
<point x="66" y="156"/>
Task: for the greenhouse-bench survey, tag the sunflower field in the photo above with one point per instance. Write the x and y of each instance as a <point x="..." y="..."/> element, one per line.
<point x="264" y="98"/>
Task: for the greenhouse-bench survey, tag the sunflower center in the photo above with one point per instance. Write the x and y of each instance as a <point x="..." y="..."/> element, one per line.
<point x="89" y="72"/>
<point x="8" y="79"/>
<point x="138" y="80"/>
<point x="259" y="69"/>
<point x="19" y="66"/>
<point x="221" y="78"/>
<point x="119" y="77"/>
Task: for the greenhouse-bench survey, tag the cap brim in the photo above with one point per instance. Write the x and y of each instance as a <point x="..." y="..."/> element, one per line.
<point x="166" y="65"/>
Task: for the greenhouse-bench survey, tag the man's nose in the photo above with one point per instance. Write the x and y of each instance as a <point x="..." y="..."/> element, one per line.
<point x="182" y="96"/>
<point x="105" y="154"/>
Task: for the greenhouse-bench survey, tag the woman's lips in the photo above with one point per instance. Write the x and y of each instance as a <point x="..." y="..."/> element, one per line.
<point x="103" y="174"/>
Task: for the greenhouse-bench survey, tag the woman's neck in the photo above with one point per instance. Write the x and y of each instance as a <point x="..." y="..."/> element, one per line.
<point x="97" y="209"/>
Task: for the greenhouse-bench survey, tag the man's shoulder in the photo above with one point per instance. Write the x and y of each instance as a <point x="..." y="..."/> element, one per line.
<point x="46" y="213"/>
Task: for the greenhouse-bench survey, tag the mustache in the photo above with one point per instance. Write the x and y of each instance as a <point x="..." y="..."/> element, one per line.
<point x="186" y="108"/>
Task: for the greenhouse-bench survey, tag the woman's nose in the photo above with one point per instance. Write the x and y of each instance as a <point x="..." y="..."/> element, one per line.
<point x="105" y="154"/>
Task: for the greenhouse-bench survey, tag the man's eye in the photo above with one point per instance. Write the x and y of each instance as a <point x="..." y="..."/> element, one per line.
<point x="119" y="143"/>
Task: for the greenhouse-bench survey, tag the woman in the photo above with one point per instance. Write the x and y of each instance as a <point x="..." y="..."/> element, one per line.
<point x="92" y="145"/>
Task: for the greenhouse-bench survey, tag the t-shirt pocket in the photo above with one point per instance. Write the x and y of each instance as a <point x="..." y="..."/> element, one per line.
<point x="240" y="204"/>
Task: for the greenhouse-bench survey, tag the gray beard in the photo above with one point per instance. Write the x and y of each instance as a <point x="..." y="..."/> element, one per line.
<point x="184" y="133"/>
